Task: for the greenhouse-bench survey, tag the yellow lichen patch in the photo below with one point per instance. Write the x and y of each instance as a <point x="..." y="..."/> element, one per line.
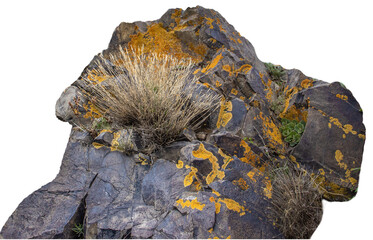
<point x="234" y="91"/>
<point x="242" y="98"/>
<point x="196" y="71"/>
<point x="158" y="40"/>
<point x="91" y="111"/>
<point x="249" y="156"/>
<point x="202" y="153"/>
<point x="216" y="193"/>
<point x="268" y="187"/>
<point x="322" y="171"/>
<point x="245" y="68"/>
<point x="362" y="136"/>
<point x="188" y="180"/>
<point x="218" y="84"/>
<point x="220" y="25"/>
<point x="209" y="22"/>
<point x="254" y="173"/>
<point x="97" y="145"/>
<point x="267" y="88"/>
<point x="233" y="205"/>
<point x="294" y="160"/>
<point x="210" y="230"/>
<point x="176" y="15"/>
<point x="225" y="114"/>
<point x="180" y="164"/>
<point x="197" y="186"/>
<point x="213" y="63"/>
<point x="194" y="204"/>
<point x="306" y="83"/>
<point x="294" y="113"/>
<point x="342" y="97"/>
<point x="227" y="159"/>
<point x="288" y="96"/>
<point x="217" y="204"/>
<point x="339" y="159"/>
<point x="271" y="133"/>
<point x="241" y="183"/>
<point x="114" y="142"/>
<point x="228" y="69"/>
<point x="207" y="85"/>
<point x="96" y="77"/>
<point x="347" y="128"/>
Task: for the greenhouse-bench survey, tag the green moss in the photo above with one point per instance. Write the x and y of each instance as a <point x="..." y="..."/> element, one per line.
<point x="292" y="131"/>
<point x="276" y="72"/>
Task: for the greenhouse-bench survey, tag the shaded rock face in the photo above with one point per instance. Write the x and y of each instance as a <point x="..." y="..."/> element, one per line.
<point x="215" y="182"/>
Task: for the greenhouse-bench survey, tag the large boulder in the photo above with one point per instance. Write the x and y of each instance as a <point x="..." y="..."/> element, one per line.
<point x="215" y="182"/>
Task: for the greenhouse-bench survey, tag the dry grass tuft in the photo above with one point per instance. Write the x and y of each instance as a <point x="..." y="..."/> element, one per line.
<point x="155" y="94"/>
<point x="296" y="202"/>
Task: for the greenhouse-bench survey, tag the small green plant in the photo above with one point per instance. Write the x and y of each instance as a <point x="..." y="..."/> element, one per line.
<point x="292" y="131"/>
<point x="78" y="229"/>
<point x="278" y="105"/>
<point x="100" y="124"/>
<point x="275" y="71"/>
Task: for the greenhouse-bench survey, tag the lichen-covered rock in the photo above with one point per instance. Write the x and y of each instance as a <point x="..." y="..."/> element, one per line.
<point x="215" y="181"/>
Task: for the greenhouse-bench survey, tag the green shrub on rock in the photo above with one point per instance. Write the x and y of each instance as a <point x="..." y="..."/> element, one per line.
<point x="292" y="131"/>
<point x="275" y="71"/>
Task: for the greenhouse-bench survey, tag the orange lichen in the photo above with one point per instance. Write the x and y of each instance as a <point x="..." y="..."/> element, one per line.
<point x="271" y="133"/>
<point x="176" y="15"/>
<point x="114" y="142"/>
<point x="234" y="91"/>
<point x="249" y="156"/>
<point x="227" y="159"/>
<point x="209" y="22"/>
<point x="268" y="187"/>
<point x="180" y="164"/>
<point x="225" y="114"/>
<point x="216" y="193"/>
<point x="288" y="96"/>
<point x="213" y="63"/>
<point x="233" y="205"/>
<point x="202" y="153"/>
<point x="188" y="180"/>
<point x="348" y="178"/>
<point x="342" y="97"/>
<point x="362" y="136"/>
<point x="294" y="160"/>
<point x="217" y="205"/>
<point x="241" y="183"/>
<point x="97" y="145"/>
<point x="245" y="68"/>
<point x="254" y="173"/>
<point x="294" y="113"/>
<point x="194" y="204"/>
<point x="158" y="40"/>
<point x="306" y="83"/>
<point x="91" y="111"/>
<point x="347" y="128"/>
<point x="96" y="77"/>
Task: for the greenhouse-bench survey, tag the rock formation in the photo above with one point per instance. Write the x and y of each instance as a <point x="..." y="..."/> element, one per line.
<point x="215" y="181"/>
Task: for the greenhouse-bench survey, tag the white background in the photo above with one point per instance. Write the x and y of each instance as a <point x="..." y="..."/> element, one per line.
<point x="46" y="44"/>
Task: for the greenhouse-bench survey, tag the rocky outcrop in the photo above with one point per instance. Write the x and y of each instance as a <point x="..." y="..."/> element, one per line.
<point x="215" y="181"/>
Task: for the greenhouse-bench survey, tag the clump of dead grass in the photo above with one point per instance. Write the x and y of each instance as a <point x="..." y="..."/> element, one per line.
<point x="156" y="95"/>
<point x="296" y="201"/>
